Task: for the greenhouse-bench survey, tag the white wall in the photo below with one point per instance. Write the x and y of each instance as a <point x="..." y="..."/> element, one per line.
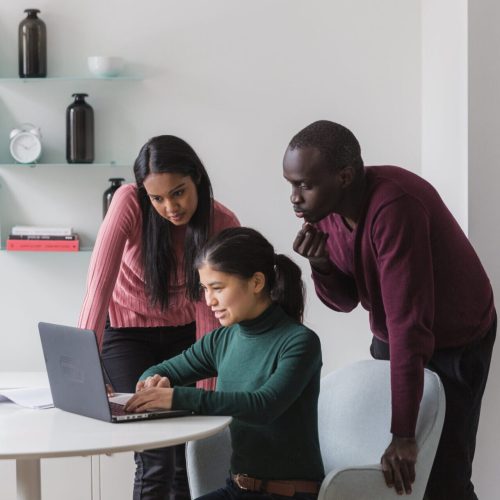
<point x="444" y="102"/>
<point x="484" y="182"/>
<point x="237" y="78"/>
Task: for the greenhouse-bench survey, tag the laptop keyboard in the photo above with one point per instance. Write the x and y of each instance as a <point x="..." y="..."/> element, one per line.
<point x="117" y="410"/>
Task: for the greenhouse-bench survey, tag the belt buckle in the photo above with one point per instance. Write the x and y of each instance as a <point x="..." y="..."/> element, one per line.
<point x="237" y="481"/>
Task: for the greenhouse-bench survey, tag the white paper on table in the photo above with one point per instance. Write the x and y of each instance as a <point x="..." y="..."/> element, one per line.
<point x="121" y="397"/>
<point x="30" y="397"/>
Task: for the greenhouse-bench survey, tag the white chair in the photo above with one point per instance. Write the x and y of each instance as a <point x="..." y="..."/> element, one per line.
<point x="354" y="418"/>
<point x="354" y="414"/>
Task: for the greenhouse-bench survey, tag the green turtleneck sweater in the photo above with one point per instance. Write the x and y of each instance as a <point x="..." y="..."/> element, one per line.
<point x="268" y="373"/>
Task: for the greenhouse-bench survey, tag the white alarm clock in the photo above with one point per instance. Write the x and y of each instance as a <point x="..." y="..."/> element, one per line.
<point x="26" y="143"/>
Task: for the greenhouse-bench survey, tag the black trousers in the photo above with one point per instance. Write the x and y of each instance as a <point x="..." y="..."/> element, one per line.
<point x="463" y="372"/>
<point x="126" y="354"/>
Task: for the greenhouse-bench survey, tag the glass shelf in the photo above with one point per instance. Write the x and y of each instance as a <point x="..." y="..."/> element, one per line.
<point x="71" y="78"/>
<point x="84" y="249"/>
<point x="33" y="165"/>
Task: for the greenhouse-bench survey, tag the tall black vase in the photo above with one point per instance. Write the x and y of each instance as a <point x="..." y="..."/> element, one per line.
<point x="116" y="182"/>
<point x="32" y="40"/>
<point x="79" y="131"/>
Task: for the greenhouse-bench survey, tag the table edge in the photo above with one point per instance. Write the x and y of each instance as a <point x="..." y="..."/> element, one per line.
<point x="124" y="448"/>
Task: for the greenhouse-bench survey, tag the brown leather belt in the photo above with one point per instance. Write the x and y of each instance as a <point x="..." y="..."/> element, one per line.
<point x="274" y="486"/>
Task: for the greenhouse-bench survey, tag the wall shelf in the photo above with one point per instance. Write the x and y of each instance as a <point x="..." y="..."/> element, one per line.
<point x="16" y="79"/>
<point x="33" y="165"/>
<point x="56" y="184"/>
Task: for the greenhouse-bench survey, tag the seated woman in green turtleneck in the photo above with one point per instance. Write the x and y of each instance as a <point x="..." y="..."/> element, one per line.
<point x="268" y="367"/>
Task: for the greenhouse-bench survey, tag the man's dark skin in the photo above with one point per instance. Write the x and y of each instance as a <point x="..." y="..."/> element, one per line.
<point x="318" y="190"/>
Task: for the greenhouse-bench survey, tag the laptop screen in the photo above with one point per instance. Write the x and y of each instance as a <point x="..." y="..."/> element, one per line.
<point x="74" y="369"/>
<point x="77" y="377"/>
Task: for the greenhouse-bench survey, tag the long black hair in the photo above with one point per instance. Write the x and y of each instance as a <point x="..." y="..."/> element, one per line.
<point x="243" y="251"/>
<point x="172" y="155"/>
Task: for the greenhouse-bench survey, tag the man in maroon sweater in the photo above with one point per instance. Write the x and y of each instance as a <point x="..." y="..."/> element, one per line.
<point x="382" y="236"/>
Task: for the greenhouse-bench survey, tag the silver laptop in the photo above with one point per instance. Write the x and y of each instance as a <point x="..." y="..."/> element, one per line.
<point x="77" y="379"/>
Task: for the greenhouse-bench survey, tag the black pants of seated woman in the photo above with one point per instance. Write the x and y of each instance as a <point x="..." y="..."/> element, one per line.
<point x="126" y="354"/>
<point x="232" y="492"/>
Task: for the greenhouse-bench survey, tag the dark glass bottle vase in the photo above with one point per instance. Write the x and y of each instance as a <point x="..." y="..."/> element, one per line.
<point x="116" y="182"/>
<point x="32" y="39"/>
<point x="79" y="131"/>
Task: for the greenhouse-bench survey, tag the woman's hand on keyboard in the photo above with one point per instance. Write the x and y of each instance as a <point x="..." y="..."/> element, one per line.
<point x="153" y="381"/>
<point x="153" y="398"/>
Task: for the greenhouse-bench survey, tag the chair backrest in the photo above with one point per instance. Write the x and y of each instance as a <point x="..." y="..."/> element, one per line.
<point x="354" y="417"/>
<point x="208" y="463"/>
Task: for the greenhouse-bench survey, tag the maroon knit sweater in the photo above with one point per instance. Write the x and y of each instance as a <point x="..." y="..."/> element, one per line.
<point x="411" y="266"/>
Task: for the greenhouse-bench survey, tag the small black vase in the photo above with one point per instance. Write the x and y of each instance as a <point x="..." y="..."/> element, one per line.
<point x="79" y="131"/>
<point x="32" y="39"/>
<point x="116" y="182"/>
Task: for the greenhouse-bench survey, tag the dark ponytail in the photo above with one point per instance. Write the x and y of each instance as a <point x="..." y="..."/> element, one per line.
<point x="288" y="290"/>
<point x="244" y="251"/>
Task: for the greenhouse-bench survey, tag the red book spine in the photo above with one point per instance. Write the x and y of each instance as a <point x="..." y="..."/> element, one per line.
<point x="43" y="245"/>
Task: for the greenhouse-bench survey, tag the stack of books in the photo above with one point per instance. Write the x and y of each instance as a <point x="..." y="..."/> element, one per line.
<point x="43" y="239"/>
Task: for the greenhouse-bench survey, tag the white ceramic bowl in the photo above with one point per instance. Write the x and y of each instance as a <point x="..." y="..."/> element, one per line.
<point x="105" y="66"/>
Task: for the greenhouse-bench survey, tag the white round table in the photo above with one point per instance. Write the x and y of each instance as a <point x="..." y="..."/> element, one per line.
<point x="28" y="435"/>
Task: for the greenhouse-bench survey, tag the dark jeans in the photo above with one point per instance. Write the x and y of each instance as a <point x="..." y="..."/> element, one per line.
<point x="232" y="492"/>
<point x="463" y="372"/>
<point x="126" y="354"/>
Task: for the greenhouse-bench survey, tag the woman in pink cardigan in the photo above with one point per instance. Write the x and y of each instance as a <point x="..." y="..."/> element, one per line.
<point x="142" y="296"/>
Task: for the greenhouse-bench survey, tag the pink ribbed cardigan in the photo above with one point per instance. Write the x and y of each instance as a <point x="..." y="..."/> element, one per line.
<point x="115" y="280"/>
